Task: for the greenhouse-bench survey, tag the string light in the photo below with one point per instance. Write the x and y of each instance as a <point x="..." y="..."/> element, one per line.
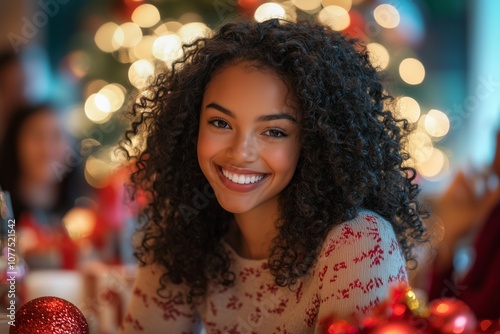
<point x="387" y="16"/>
<point x="167" y="47"/>
<point x="163" y="42"/>
<point x="97" y="108"/>
<point x="189" y="32"/>
<point x="129" y="34"/>
<point x="436" y="123"/>
<point x="308" y="6"/>
<point x="408" y="108"/>
<point x="105" y="35"/>
<point x="269" y="10"/>
<point x="379" y="56"/>
<point x="146" y="16"/>
<point x="412" y="71"/>
<point x="335" y="17"/>
<point x="434" y="165"/>
<point x="346" y="4"/>
<point x="140" y="72"/>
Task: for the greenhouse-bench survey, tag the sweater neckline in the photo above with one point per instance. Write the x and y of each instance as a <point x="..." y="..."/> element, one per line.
<point x="240" y="258"/>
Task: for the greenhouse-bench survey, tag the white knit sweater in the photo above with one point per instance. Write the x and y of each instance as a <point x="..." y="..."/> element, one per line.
<point x="358" y="263"/>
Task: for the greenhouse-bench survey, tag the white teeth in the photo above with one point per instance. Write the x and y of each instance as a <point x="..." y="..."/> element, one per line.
<point x="242" y="179"/>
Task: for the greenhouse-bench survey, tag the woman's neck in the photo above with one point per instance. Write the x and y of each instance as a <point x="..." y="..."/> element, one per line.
<point x="253" y="232"/>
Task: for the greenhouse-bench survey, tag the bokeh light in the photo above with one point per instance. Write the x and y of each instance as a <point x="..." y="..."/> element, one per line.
<point x="379" y="56"/>
<point x="78" y="63"/>
<point x="420" y="146"/>
<point x="127" y="35"/>
<point x="412" y="71"/>
<point x="408" y="108"/>
<point x="140" y="72"/>
<point x="144" y="49"/>
<point x="387" y="16"/>
<point x="346" y="4"/>
<point x="167" y="27"/>
<point x="308" y="6"/>
<point x="189" y="32"/>
<point x="146" y="16"/>
<point x="97" y="108"/>
<point x="437" y="163"/>
<point x="105" y="35"/>
<point x="269" y="10"/>
<point x="335" y="17"/>
<point x="167" y="47"/>
<point x="79" y="223"/>
<point x="114" y="94"/>
<point x="436" y="123"/>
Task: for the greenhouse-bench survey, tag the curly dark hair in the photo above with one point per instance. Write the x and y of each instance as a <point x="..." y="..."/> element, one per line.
<point x="352" y="153"/>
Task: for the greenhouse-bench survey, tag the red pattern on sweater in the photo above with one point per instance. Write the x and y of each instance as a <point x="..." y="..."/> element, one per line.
<point x="356" y="265"/>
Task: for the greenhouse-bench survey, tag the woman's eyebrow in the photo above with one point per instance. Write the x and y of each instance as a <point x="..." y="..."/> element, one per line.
<point x="262" y="118"/>
<point x="221" y="109"/>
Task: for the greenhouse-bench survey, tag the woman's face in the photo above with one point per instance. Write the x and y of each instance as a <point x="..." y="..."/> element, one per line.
<point x="41" y="147"/>
<point x="248" y="143"/>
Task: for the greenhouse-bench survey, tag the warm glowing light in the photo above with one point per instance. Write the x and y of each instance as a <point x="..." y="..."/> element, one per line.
<point x="335" y="17"/>
<point x="436" y="123"/>
<point x="94" y="86"/>
<point x="105" y="35"/>
<point x="97" y="108"/>
<point x="399" y="309"/>
<point x="129" y="34"/>
<point x="269" y="11"/>
<point x="459" y="324"/>
<point x="102" y="103"/>
<point x="442" y="308"/>
<point x="79" y="222"/>
<point x="96" y="171"/>
<point x="420" y="146"/>
<point x="379" y="56"/>
<point x="144" y="50"/>
<point x="146" y="16"/>
<point x="408" y="108"/>
<point x="346" y="4"/>
<point x="309" y="6"/>
<point x="140" y="72"/>
<point x="170" y="26"/>
<point x="79" y="63"/>
<point x="114" y="94"/>
<point x="436" y="163"/>
<point x="386" y="16"/>
<point x="167" y="47"/>
<point x="192" y="31"/>
<point x="412" y="71"/>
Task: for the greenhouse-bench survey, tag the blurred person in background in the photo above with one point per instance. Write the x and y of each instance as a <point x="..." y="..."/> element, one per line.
<point x="12" y="87"/>
<point x="36" y="168"/>
<point x="467" y="263"/>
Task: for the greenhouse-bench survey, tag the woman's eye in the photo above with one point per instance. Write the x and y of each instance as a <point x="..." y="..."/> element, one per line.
<point x="219" y="123"/>
<point x="275" y="133"/>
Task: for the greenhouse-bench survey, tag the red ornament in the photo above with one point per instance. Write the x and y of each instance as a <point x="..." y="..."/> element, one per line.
<point x="342" y="327"/>
<point x="49" y="315"/>
<point x="394" y="328"/>
<point x="451" y="316"/>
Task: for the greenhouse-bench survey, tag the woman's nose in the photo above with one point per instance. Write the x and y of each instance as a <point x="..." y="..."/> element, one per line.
<point x="244" y="148"/>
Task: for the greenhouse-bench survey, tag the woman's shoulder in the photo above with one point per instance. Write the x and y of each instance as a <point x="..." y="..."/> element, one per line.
<point x="359" y="261"/>
<point x="366" y="236"/>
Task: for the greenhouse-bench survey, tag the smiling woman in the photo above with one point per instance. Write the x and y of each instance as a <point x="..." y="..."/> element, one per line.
<point x="249" y="137"/>
<point x="314" y="213"/>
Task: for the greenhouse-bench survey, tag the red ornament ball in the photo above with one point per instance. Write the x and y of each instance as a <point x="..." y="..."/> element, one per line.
<point x="394" y="328"/>
<point x="451" y="316"/>
<point x="49" y="315"/>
